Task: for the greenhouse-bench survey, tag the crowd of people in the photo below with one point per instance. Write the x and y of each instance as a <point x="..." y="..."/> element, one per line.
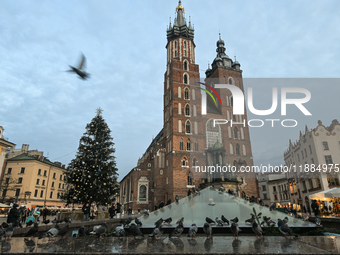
<point x="91" y="211"/>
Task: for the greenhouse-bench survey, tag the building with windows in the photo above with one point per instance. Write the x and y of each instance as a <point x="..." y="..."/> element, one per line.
<point x="314" y="156"/>
<point x="4" y="146"/>
<point x="189" y="137"/>
<point x="31" y="179"/>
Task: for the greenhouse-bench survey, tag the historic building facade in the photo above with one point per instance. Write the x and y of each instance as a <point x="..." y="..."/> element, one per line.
<point x="189" y="138"/>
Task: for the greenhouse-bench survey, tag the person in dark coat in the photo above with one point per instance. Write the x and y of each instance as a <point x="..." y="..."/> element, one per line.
<point x="13" y="215"/>
<point x="112" y="210"/>
<point x="86" y="211"/>
<point x="44" y="213"/>
<point x="119" y="206"/>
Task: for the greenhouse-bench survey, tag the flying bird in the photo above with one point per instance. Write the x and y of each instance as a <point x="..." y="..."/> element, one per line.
<point x="192" y="230"/>
<point x="80" y="69"/>
<point x="207" y="230"/>
<point x="33" y="230"/>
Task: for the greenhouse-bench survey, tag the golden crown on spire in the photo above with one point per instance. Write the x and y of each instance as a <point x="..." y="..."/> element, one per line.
<point x="180" y="6"/>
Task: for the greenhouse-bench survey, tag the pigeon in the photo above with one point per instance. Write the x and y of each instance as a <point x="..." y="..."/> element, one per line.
<point x="127" y="221"/>
<point x="55" y="221"/>
<point x="235" y="220"/>
<point x="145" y="212"/>
<point x="95" y="229"/>
<point x="212" y="186"/>
<point x="159" y="222"/>
<point x="176" y="198"/>
<point x="192" y="230"/>
<point x="135" y="231"/>
<point x="272" y="207"/>
<point x="257" y="229"/>
<point x="161" y="205"/>
<point x="157" y="232"/>
<point x="305" y="216"/>
<point x="219" y="221"/>
<point x="168" y="202"/>
<point x="177" y="231"/>
<point x="284" y="229"/>
<point x="53" y="232"/>
<point x="207" y="230"/>
<point x="67" y="220"/>
<point x="261" y="202"/>
<point x="318" y="221"/>
<point x="221" y="189"/>
<point x="29" y="223"/>
<point x="285" y="220"/>
<point x="64" y="230"/>
<point x="138" y="222"/>
<point x="101" y="230"/>
<point x="4" y="225"/>
<point x="80" y="69"/>
<point x="168" y="220"/>
<point x="9" y="232"/>
<point x="210" y="221"/>
<point x="46" y="221"/>
<point x="120" y="231"/>
<point x="180" y="221"/>
<point x="225" y="219"/>
<point x="235" y="229"/>
<point x="2" y="232"/>
<point x="83" y="231"/>
<point x="33" y="230"/>
<point x="250" y="220"/>
<point x="30" y="244"/>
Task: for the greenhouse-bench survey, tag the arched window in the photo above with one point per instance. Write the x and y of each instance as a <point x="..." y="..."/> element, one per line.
<point x="236" y="133"/>
<point x="179" y="126"/>
<point x="175" y="44"/>
<point x="185" y="79"/>
<point x="194" y="162"/>
<point x="230" y="80"/>
<point x="237" y="150"/>
<point x="187" y="110"/>
<point x="188" y="127"/>
<point x="231" y="102"/>
<point x="179" y="108"/>
<point x="190" y="181"/>
<point x="195" y="128"/>
<point x="179" y="92"/>
<point x="185" y="44"/>
<point x="234" y="118"/>
<point x="193" y="94"/>
<point x="195" y="112"/>
<point x="184" y="162"/>
<point x="186" y="93"/>
<point x="188" y="145"/>
<point x="142" y="193"/>
<point x="196" y="145"/>
<point x="231" y="149"/>
<point x="242" y="133"/>
<point x="185" y="65"/>
<point x="181" y="144"/>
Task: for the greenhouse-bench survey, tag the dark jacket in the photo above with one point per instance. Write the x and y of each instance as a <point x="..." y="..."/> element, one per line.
<point x="118" y="207"/>
<point x="13" y="215"/>
<point x="86" y="209"/>
<point x="112" y="210"/>
<point x="45" y="212"/>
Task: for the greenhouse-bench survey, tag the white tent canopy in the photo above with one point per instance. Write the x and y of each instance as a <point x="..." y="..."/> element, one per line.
<point x="330" y="193"/>
<point x="4" y="206"/>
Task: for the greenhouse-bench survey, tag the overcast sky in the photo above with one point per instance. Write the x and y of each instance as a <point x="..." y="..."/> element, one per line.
<point x="124" y="42"/>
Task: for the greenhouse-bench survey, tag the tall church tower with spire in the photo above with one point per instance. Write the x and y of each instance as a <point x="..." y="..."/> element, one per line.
<point x="181" y="69"/>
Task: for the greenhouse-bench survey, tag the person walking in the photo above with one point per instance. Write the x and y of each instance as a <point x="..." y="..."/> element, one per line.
<point x="112" y="211"/>
<point x="26" y="214"/>
<point x="13" y="215"/>
<point x="44" y="213"/>
<point x="118" y="210"/>
<point x="86" y="211"/>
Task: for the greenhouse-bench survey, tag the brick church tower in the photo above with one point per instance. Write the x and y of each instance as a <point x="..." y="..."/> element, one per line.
<point x="181" y="68"/>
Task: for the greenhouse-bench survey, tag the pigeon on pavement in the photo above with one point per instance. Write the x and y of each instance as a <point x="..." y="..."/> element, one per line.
<point x="138" y="222"/>
<point x="9" y="232"/>
<point x="318" y="221"/>
<point x="168" y="220"/>
<point x="180" y="221"/>
<point x="63" y="231"/>
<point x="53" y="232"/>
<point x="46" y="221"/>
<point x="120" y="231"/>
<point x="157" y="232"/>
<point x="285" y="220"/>
<point x="67" y="219"/>
<point x="207" y="230"/>
<point x="272" y="207"/>
<point x="284" y="229"/>
<point x="145" y="212"/>
<point x="235" y="220"/>
<point x="159" y="222"/>
<point x="210" y="221"/>
<point x="219" y="221"/>
<point x="225" y="219"/>
<point x="4" y="225"/>
<point x="2" y="232"/>
<point x="101" y="230"/>
<point x="192" y="230"/>
<point x="177" y="231"/>
<point x="127" y="221"/>
<point x="235" y="229"/>
<point x="257" y="229"/>
<point x="135" y="231"/>
<point x="176" y="198"/>
<point x="33" y="230"/>
<point x="83" y="231"/>
<point x="250" y="220"/>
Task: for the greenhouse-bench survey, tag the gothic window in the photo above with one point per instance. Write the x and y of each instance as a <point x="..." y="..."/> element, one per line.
<point x="179" y="126"/>
<point x="231" y="149"/>
<point x="244" y="150"/>
<point x="189" y="178"/>
<point x="185" y="65"/>
<point x="188" y="145"/>
<point x="231" y="101"/>
<point x="194" y="162"/>
<point x="187" y="110"/>
<point x="234" y="118"/>
<point x="193" y="94"/>
<point x="175" y="53"/>
<point x="196" y="145"/>
<point x="184" y="162"/>
<point x="185" y="53"/>
<point x="179" y="108"/>
<point x="175" y="45"/>
<point x="185" y="79"/>
<point x="185" y="44"/>
<point x="242" y="133"/>
<point x="195" y="112"/>
<point x="142" y="193"/>
<point x="230" y="80"/>
<point x="236" y="132"/>
<point x="186" y="93"/>
<point x="188" y="127"/>
<point x="181" y="144"/>
<point x="195" y="128"/>
<point x="237" y="150"/>
<point x="179" y="92"/>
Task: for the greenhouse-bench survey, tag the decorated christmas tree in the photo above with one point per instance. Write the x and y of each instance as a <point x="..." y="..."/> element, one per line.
<point x="92" y="175"/>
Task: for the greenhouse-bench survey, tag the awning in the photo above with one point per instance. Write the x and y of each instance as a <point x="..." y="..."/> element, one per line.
<point x="4" y="206"/>
<point x="330" y="193"/>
